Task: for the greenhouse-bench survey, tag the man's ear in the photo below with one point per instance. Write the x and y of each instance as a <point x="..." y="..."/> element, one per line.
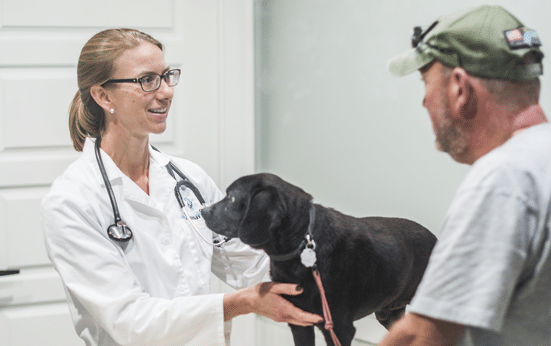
<point x="462" y="98"/>
<point x="102" y="97"/>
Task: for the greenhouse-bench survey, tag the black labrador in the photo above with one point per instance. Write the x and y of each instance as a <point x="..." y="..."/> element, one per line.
<point x="368" y="265"/>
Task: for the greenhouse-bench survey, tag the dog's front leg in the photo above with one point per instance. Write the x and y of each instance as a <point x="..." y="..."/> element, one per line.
<point x="303" y="336"/>
<point x="345" y="333"/>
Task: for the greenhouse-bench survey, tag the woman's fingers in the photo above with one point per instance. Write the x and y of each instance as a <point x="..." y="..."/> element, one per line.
<point x="279" y="288"/>
<point x="272" y="305"/>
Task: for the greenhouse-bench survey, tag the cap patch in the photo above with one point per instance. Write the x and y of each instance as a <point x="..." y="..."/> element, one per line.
<point x="522" y="38"/>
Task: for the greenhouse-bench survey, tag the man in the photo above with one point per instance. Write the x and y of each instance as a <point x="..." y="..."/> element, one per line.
<point x="489" y="278"/>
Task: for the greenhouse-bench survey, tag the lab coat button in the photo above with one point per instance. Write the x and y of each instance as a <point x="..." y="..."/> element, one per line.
<point x="181" y="288"/>
<point x="166" y="241"/>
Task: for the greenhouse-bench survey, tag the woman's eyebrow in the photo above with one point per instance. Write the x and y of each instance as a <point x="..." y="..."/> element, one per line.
<point x="145" y="73"/>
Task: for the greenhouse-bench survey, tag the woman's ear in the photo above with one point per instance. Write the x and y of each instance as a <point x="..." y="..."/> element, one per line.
<point x="102" y="97"/>
<point x="461" y="95"/>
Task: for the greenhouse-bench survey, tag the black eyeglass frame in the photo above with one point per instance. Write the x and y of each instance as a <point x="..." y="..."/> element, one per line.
<point x="139" y="80"/>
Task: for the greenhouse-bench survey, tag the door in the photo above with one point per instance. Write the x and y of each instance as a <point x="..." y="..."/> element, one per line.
<point x="40" y="41"/>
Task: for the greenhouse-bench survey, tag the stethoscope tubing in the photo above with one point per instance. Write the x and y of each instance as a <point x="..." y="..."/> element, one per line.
<point x="107" y="183"/>
<point x="186" y="182"/>
<point x="118" y="231"/>
<point x="215" y="243"/>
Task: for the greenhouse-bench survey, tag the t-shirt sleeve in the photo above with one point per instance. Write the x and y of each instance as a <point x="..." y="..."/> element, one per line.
<point x="475" y="266"/>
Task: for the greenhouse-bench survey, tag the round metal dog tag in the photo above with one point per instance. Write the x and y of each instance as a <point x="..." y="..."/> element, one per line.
<point x="308" y="257"/>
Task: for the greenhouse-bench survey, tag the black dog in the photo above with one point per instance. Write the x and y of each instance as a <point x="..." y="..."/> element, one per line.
<point x="368" y="265"/>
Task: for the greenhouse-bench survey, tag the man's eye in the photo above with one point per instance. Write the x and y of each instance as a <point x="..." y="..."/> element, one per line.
<point x="147" y="79"/>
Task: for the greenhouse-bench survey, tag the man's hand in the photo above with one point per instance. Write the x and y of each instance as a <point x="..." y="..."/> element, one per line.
<point x="419" y="330"/>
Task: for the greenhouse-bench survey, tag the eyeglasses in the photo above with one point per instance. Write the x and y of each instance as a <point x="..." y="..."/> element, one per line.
<point x="151" y="82"/>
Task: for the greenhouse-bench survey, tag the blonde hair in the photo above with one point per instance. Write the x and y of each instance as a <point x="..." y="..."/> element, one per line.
<point x="95" y="66"/>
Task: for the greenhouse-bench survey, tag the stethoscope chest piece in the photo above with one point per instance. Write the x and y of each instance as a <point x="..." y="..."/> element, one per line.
<point x="119" y="232"/>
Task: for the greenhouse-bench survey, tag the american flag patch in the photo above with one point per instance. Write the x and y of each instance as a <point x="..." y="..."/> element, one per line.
<point x="522" y="38"/>
<point x="513" y="35"/>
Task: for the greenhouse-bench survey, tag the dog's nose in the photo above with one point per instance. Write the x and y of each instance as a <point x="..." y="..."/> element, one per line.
<point x="205" y="212"/>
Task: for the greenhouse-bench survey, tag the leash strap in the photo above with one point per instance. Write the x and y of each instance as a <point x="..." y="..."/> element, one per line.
<point x="308" y="258"/>
<point x="326" y="310"/>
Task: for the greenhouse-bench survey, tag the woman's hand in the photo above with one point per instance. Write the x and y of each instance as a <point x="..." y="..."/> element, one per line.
<point x="265" y="299"/>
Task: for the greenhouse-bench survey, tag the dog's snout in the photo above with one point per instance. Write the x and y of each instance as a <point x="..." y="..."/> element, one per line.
<point x="206" y="212"/>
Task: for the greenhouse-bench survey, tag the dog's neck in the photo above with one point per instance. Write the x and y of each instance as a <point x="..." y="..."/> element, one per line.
<point x="308" y="237"/>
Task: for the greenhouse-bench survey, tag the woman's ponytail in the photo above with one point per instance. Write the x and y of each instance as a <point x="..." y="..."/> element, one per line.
<point x="84" y="123"/>
<point x="78" y="133"/>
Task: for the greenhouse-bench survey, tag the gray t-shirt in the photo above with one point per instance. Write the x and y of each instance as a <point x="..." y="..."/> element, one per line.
<point x="491" y="267"/>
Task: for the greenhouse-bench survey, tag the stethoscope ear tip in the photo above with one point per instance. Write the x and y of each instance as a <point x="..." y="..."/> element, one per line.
<point x="219" y="242"/>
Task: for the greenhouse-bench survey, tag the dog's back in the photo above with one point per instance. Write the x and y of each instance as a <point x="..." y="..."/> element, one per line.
<point x="376" y="257"/>
<point x="405" y="247"/>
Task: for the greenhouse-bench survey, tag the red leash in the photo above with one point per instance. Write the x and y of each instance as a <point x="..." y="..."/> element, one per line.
<point x="326" y="310"/>
<point x="309" y="259"/>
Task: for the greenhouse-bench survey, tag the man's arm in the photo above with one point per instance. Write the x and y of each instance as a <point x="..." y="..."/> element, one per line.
<point x="418" y="330"/>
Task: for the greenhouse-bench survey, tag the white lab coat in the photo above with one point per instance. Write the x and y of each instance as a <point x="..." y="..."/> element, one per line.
<point x="153" y="290"/>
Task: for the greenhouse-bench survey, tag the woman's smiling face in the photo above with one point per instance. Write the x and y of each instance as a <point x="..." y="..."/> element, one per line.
<point x="138" y="113"/>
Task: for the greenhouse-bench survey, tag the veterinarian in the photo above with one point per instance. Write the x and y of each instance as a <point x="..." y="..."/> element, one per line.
<point x="136" y="264"/>
<point x="489" y="277"/>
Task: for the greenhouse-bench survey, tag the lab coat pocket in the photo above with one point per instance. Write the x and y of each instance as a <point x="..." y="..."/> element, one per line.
<point x="203" y="234"/>
<point x="198" y="234"/>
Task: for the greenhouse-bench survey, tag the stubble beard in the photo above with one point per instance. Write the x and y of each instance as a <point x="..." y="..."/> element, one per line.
<point x="450" y="137"/>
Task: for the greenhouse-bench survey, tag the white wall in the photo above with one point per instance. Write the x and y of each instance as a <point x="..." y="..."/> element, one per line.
<point x="333" y="120"/>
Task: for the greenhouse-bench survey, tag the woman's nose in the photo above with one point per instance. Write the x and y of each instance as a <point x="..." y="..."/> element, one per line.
<point x="165" y="91"/>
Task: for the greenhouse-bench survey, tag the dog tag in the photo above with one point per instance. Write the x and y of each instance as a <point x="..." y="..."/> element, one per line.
<point x="308" y="257"/>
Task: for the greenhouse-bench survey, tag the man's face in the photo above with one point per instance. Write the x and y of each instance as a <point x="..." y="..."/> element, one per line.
<point x="450" y="137"/>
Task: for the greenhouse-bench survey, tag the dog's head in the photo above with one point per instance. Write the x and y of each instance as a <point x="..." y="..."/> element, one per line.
<point x="256" y="207"/>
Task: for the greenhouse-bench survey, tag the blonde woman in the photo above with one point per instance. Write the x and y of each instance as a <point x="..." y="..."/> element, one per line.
<point x="135" y="265"/>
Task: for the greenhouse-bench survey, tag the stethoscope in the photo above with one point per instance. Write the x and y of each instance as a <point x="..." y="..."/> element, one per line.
<point x="119" y="231"/>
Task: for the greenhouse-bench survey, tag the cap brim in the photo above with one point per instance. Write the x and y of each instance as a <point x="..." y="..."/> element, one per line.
<point x="408" y="62"/>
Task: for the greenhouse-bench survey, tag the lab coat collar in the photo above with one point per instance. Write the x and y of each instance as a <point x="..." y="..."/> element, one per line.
<point x="160" y="158"/>
<point x="113" y="171"/>
<point x="115" y="175"/>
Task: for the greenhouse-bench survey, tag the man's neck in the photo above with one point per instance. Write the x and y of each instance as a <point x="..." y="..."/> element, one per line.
<point x="531" y="116"/>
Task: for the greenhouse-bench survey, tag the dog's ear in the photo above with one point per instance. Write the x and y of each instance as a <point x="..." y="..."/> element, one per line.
<point x="262" y="215"/>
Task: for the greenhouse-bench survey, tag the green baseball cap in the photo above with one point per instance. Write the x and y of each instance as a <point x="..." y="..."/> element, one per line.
<point x="486" y="41"/>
